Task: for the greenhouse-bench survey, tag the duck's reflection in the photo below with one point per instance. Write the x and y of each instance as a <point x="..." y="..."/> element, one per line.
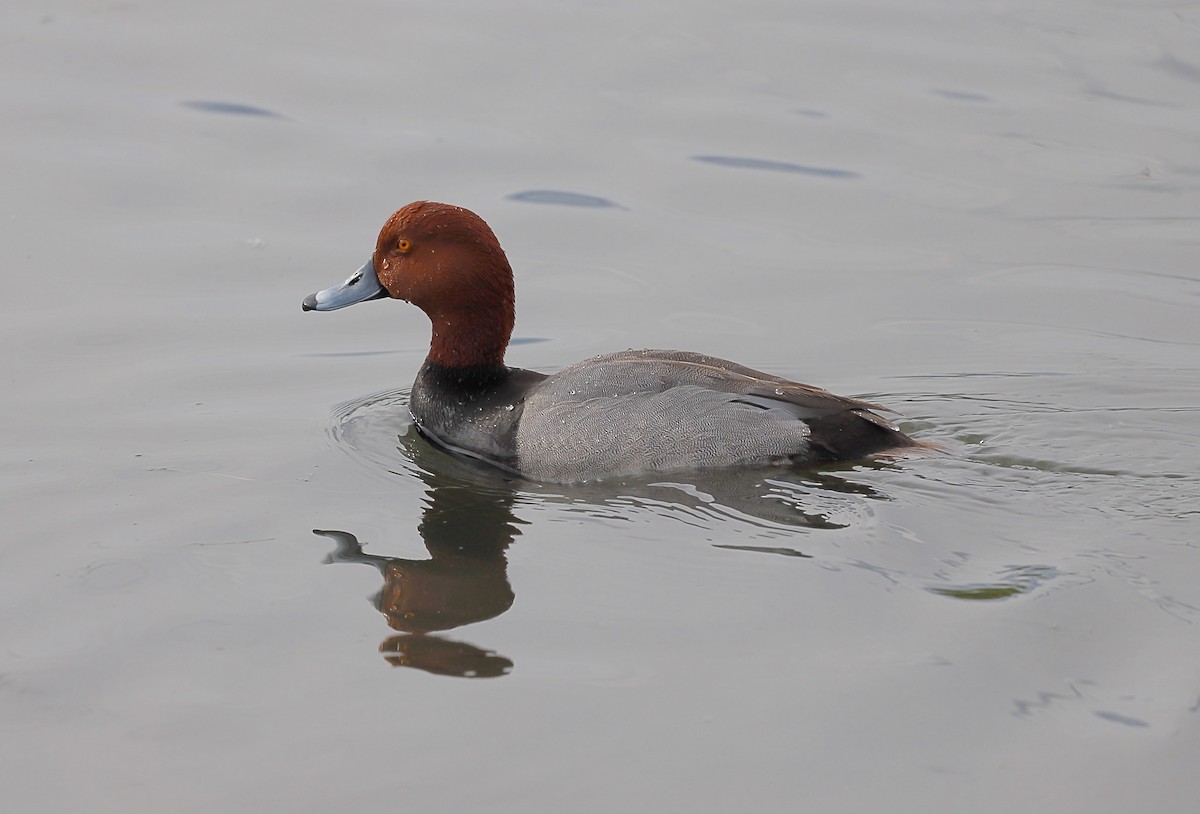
<point x="420" y="597"/>
<point x="466" y="530"/>
<point x="468" y="524"/>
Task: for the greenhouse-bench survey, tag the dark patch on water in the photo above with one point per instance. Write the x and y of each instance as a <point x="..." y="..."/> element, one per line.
<point x="1014" y="582"/>
<point x="764" y="549"/>
<point x="348" y="353"/>
<point x="1118" y="718"/>
<point x="231" y="109"/>
<point x="1178" y="68"/>
<point x="559" y="198"/>
<point x="775" y="166"/>
<point x="961" y="95"/>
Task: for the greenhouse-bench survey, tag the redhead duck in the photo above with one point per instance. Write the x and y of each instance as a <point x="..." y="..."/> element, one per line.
<point x="618" y="414"/>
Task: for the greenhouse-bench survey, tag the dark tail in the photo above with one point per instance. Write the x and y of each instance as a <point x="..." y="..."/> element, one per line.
<point x="856" y="434"/>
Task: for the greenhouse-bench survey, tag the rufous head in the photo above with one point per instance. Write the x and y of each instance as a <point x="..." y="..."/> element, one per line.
<point x="446" y="261"/>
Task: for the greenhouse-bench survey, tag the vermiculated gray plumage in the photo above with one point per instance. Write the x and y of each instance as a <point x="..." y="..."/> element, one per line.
<point x="652" y="410"/>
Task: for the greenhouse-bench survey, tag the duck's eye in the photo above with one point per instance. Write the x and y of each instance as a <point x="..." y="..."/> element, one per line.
<point x="403" y="244"/>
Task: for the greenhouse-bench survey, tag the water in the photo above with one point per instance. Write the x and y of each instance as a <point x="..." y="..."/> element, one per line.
<point x="982" y="215"/>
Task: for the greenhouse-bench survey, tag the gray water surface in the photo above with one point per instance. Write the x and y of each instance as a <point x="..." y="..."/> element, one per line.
<point x="983" y="215"/>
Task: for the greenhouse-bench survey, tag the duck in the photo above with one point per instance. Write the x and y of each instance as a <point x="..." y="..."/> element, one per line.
<point x="622" y="414"/>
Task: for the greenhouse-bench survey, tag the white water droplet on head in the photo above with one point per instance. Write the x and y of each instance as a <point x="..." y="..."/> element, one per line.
<point x="779" y="391"/>
<point x="508" y="407"/>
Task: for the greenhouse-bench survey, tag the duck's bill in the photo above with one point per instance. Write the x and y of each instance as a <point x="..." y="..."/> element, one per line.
<point x="363" y="285"/>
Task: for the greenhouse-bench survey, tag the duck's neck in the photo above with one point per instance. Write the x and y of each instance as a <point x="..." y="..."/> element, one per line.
<point x="474" y="337"/>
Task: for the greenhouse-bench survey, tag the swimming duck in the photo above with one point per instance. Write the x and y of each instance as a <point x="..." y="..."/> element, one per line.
<point x="618" y="414"/>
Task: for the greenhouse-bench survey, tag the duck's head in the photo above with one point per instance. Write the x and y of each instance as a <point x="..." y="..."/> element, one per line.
<point x="446" y="261"/>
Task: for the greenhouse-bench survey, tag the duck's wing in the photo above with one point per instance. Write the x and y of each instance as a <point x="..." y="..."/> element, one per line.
<point x="674" y="367"/>
<point x="639" y="411"/>
<point x="836" y="421"/>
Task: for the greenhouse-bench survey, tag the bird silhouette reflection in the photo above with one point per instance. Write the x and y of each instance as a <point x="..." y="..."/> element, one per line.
<point x="467" y="526"/>
<point x="468" y="523"/>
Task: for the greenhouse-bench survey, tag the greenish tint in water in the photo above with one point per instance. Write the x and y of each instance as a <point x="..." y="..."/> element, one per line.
<point x="1016" y="581"/>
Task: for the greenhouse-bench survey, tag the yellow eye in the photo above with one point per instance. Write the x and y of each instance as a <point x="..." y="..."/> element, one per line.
<point x="403" y="244"/>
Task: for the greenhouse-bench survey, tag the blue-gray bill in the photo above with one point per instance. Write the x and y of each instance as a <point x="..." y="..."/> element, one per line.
<point x="363" y="285"/>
